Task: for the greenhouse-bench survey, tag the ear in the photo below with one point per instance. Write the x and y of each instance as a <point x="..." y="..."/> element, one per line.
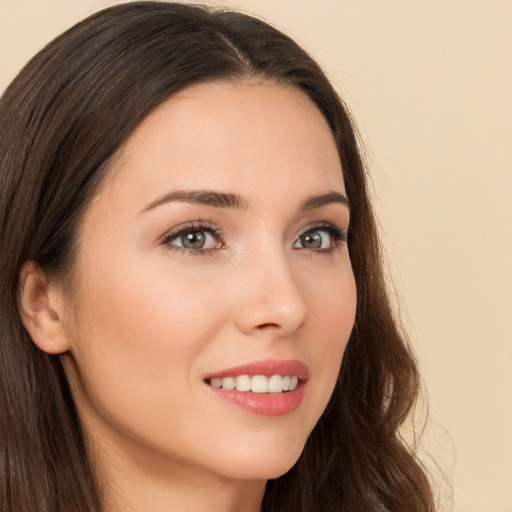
<point x="42" y="311"/>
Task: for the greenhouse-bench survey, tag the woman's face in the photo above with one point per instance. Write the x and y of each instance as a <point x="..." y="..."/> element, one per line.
<point x="215" y="250"/>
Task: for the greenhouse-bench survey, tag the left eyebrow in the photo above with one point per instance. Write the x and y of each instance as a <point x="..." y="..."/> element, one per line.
<point x="323" y="199"/>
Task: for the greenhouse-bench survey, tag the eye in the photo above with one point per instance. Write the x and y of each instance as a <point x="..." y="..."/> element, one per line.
<point x="194" y="238"/>
<point x="324" y="237"/>
<point x="314" y="240"/>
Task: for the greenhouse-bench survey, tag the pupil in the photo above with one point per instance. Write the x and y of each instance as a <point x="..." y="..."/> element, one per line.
<point x="193" y="240"/>
<point x="312" y="240"/>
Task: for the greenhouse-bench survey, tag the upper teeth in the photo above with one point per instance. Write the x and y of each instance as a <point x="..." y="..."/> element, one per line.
<point x="257" y="383"/>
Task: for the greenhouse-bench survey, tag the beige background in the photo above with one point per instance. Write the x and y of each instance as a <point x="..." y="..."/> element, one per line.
<point x="429" y="83"/>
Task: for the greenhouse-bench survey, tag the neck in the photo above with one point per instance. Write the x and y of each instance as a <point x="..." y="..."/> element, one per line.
<point x="140" y="493"/>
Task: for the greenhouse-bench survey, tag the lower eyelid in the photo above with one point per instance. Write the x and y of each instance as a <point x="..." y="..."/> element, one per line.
<point x="191" y="252"/>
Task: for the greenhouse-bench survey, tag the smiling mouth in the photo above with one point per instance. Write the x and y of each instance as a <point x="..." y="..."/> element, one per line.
<point x="256" y="383"/>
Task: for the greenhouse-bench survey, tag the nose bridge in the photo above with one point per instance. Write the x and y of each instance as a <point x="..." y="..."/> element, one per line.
<point x="271" y="297"/>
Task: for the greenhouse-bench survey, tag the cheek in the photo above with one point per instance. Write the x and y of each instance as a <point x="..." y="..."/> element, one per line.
<point x="146" y="332"/>
<point x="148" y="310"/>
<point x="139" y="337"/>
<point x="333" y="308"/>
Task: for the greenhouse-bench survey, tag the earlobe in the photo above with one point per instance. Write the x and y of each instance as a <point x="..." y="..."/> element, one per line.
<point x="41" y="310"/>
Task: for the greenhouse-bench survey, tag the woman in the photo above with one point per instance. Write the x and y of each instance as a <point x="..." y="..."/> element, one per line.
<point x="194" y="314"/>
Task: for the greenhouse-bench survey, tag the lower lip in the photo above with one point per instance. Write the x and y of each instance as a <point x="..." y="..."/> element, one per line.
<point x="264" y="404"/>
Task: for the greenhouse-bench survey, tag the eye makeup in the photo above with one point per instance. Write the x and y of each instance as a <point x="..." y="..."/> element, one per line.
<point x="194" y="238"/>
<point x="203" y="237"/>
<point x="338" y="237"/>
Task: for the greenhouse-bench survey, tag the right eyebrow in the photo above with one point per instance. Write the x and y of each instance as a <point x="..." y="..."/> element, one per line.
<point x="204" y="197"/>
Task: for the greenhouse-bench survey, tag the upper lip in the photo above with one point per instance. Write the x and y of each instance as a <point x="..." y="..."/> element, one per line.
<point x="267" y="368"/>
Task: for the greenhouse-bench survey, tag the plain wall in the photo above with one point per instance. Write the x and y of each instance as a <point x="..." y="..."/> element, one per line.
<point x="429" y="84"/>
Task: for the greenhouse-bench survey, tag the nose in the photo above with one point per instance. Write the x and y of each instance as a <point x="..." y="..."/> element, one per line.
<point x="271" y="299"/>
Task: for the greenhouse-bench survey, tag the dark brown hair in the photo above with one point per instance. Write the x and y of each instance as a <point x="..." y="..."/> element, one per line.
<point x="61" y="119"/>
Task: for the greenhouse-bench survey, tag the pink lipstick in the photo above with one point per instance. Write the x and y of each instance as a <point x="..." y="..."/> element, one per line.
<point x="269" y="388"/>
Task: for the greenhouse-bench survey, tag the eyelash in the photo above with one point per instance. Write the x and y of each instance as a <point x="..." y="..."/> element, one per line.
<point x="338" y="235"/>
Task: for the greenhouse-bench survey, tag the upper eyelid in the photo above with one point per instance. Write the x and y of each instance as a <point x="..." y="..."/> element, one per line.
<point x="325" y="225"/>
<point x="318" y="225"/>
<point x="195" y="225"/>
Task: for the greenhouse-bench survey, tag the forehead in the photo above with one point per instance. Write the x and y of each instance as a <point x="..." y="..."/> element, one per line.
<point x="230" y="136"/>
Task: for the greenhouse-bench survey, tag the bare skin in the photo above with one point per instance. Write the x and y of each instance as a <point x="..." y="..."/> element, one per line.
<point x="173" y="287"/>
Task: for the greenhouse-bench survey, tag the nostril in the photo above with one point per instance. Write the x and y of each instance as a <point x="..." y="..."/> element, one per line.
<point x="268" y="325"/>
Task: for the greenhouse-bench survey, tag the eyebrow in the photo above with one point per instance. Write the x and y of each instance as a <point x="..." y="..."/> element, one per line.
<point x="203" y="197"/>
<point x="235" y="201"/>
<point x="323" y="199"/>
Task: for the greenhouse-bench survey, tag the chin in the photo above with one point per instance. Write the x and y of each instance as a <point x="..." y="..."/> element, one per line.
<point x="263" y="462"/>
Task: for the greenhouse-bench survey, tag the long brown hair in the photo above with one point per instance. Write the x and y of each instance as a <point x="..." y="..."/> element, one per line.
<point x="61" y="119"/>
